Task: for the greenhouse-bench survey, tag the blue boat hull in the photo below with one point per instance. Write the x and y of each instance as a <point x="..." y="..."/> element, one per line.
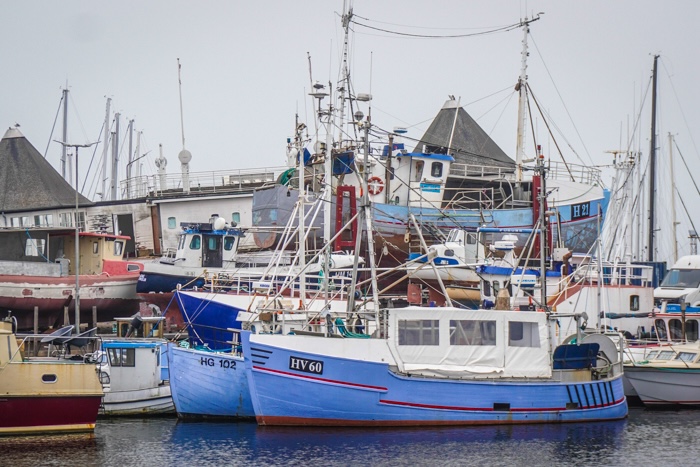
<point x="361" y="393"/>
<point x="154" y="282"/>
<point x="208" y="385"/>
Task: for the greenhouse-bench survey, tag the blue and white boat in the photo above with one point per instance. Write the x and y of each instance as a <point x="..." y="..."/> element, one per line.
<point x="208" y="384"/>
<point x="436" y="366"/>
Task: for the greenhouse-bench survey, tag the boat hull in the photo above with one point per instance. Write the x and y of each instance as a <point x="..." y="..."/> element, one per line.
<point x="665" y="387"/>
<point x="351" y="392"/>
<point x="151" y="401"/>
<point x="111" y="295"/>
<point x="41" y="414"/>
<point x="209" y="385"/>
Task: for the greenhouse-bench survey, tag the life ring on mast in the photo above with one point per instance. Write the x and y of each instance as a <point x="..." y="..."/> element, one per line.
<point x="375" y="185"/>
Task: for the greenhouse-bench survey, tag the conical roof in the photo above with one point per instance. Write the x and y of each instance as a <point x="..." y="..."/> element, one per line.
<point x="27" y="181"/>
<point x="470" y="143"/>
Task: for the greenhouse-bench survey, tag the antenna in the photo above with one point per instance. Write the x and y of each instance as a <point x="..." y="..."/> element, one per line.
<point x="184" y="156"/>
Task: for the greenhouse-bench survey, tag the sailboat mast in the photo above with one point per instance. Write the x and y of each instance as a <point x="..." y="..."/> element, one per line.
<point x="302" y="225"/>
<point x="65" y="132"/>
<point x="105" y="150"/>
<point x="674" y="224"/>
<point x="652" y="165"/>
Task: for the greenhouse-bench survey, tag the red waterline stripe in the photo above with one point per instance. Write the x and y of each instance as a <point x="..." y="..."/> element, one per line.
<point x="487" y="409"/>
<point x="314" y="378"/>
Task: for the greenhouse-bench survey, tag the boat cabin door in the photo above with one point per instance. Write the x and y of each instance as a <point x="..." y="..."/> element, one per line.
<point x="211" y="251"/>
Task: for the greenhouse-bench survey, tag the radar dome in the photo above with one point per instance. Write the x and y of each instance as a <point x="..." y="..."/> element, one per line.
<point x="219" y="223"/>
<point x="185" y="156"/>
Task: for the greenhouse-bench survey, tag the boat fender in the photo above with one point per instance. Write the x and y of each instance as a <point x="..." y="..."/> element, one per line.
<point x="14" y="325"/>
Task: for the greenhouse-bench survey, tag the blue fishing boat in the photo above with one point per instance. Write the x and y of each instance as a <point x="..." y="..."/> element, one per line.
<point x="207" y="384"/>
<point x="435" y="366"/>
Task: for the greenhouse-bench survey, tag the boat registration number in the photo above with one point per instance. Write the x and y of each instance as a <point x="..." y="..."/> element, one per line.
<point x="208" y="361"/>
<point x="306" y="365"/>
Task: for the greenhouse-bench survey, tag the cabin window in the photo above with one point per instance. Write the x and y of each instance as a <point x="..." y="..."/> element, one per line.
<point x="436" y="170"/>
<point x="172" y="223"/>
<point x="236" y="217"/>
<point x="652" y="355"/>
<point x="496" y="287"/>
<point x="523" y="334"/>
<point x="675" y="329"/>
<point x="95" y="248"/>
<point x="634" y="302"/>
<point x="419" y="332"/>
<point x="487" y="288"/>
<point x="419" y="171"/>
<point x="212" y="243"/>
<point x="229" y="242"/>
<point x="122" y="357"/>
<point x="35" y="247"/>
<point x="471" y="238"/>
<point x="118" y="248"/>
<point x="15" y="222"/>
<point x="660" y="329"/>
<point x="472" y="332"/>
<point x="666" y="355"/>
<point x="181" y="244"/>
<point x="691" y="330"/>
<point x="686" y="356"/>
<point x="196" y="242"/>
<point x="24" y="221"/>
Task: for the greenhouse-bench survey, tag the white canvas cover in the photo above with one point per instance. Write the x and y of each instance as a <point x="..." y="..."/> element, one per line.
<point x="519" y="350"/>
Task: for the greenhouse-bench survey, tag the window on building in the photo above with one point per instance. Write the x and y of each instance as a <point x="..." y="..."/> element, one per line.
<point x="35" y="247"/>
<point x="236" y="217"/>
<point x="419" y="332"/>
<point x="15" y="222"/>
<point x="196" y="242"/>
<point x="472" y="332"/>
<point x="172" y="223"/>
<point x="436" y="170"/>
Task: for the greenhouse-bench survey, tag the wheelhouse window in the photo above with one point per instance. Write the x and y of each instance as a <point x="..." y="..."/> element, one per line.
<point x="472" y="332"/>
<point x="229" y="242"/>
<point x="523" y="334"/>
<point x="682" y="278"/>
<point x="212" y="243"/>
<point x="95" y="248"/>
<point x="660" y="329"/>
<point x="675" y="329"/>
<point x="419" y="332"/>
<point x="118" y="247"/>
<point x="122" y="357"/>
<point x="436" y="170"/>
<point x="172" y="223"/>
<point x="196" y="242"/>
<point x="634" y="302"/>
<point x="419" y="171"/>
<point x="691" y="330"/>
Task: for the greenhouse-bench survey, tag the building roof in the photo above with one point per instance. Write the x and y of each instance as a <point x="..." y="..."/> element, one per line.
<point x="470" y="143"/>
<point x="28" y="182"/>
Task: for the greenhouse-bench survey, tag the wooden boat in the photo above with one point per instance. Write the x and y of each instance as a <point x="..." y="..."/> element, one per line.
<point x="38" y="270"/>
<point x="44" y="394"/>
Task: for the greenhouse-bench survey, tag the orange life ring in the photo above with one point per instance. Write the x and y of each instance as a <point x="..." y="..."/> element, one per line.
<point x="375" y="185"/>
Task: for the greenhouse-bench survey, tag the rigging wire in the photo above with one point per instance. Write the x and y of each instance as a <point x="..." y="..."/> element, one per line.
<point x="434" y="36"/>
<point x="58" y="111"/>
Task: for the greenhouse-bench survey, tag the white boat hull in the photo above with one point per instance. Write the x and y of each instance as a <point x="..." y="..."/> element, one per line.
<point x="658" y="387"/>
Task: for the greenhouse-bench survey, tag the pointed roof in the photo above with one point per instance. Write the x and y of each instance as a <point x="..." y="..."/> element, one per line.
<point x="27" y="181"/>
<point x="470" y="143"/>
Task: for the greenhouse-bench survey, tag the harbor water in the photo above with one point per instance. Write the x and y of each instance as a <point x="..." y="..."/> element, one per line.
<point x="644" y="438"/>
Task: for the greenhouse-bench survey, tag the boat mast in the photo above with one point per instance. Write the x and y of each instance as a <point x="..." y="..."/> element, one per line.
<point x="65" y="132"/>
<point x="105" y="151"/>
<point x="302" y="227"/>
<point x="673" y="199"/>
<point x="344" y="85"/>
<point x="652" y="165"/>
<point x="115" y="157"/>
<point x="184" y="156"/>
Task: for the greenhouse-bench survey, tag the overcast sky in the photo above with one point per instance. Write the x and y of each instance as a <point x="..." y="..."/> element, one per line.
<point x="245" y="72"/>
